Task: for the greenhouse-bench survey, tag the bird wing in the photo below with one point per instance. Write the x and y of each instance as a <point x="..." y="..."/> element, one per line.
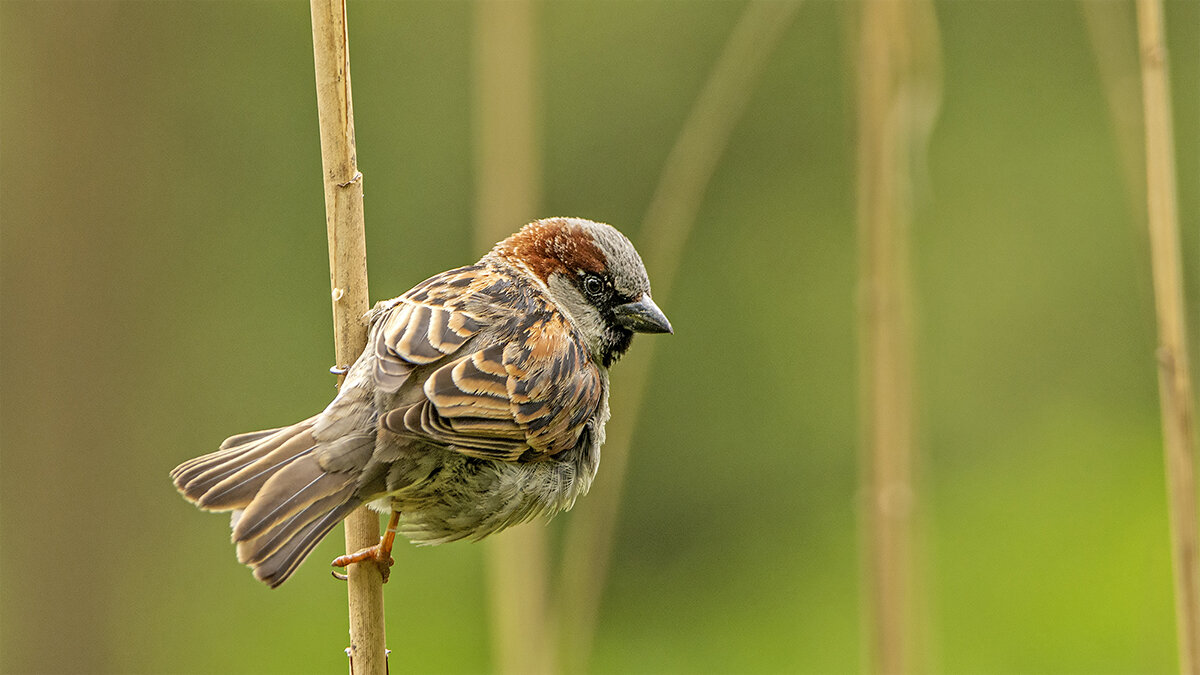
<point x="424" y="325"/>
<point x="526" y="396"/>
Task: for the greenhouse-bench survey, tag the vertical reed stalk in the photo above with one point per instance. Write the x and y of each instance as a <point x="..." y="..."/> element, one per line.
<point x="348" y="281"/>
<point x="1114" y="45"/>
<point x="665" y="229"/>
<point x="1175" y="387"/>
<point x="895" y="95"/>
<point x="507" y="194"/>
<point x="507" y="147"/>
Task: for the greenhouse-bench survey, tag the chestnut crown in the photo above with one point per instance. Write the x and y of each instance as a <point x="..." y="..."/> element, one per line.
<point x="595" y="275"/>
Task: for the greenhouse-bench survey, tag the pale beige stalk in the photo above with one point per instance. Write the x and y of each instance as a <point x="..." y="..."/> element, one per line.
<point x="348" y="283"/>
<point x="898" y="95"/>
<point x="665" y="229"/>
<point x="1114" y="45"/>
<point x="1174" y="379"/>
<point x="507" y="195"/>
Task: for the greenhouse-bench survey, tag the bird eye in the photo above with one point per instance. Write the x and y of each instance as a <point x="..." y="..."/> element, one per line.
<point x="593" y="286"/>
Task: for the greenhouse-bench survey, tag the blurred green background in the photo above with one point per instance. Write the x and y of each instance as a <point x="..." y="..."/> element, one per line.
<point x="164" y="285"/>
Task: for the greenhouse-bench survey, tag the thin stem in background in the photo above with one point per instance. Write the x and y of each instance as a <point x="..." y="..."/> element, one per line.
<point x="1174" y="379"/>
<point x="1114" y="45"/>
<point x="508" y="164"/>
<point x="507" y="195"/>
<point x="348" y="282"/>
<point x="665" y="229"/>
<point x="898" y="95"/>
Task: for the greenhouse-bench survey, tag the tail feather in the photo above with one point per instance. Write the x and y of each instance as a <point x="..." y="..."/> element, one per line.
<point x="241" y="488"/>
<point x="232" y="478"/>
<point x="248" y="437"/>
<point x="196" y="477"/>
<point x="279" y="565"/>
<point x="284" y="501"/>
<point x="256" y="549"/>
<point x="289" y="490"/>
<point x="189" y="475"/>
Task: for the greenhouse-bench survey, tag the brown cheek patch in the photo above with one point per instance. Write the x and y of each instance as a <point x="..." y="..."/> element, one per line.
<point x="549" y="246"/>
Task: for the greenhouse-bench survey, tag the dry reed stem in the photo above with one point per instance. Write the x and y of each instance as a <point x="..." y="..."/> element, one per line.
<point x="507" y="194"/>
<point x="348" y="283"/>
<point x="666" y="227"/>
<point x="507" y="148"/>
<point x="897" y="91"/>
<point x="1175" y="388"/>
<point x="1114" y="44"/>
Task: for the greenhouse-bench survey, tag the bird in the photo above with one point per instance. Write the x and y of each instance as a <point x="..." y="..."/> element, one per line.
<point x="478" y="403"/>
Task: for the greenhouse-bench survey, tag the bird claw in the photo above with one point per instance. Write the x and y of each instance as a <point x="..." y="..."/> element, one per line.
<point x="380" y="554"/>
<point x="375" y="554"/>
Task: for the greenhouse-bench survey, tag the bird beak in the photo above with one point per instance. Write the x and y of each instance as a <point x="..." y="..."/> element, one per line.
<point x="643" y="316"/>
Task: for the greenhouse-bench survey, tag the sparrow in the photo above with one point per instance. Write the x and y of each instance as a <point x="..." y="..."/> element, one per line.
<point x="478" y="403"/>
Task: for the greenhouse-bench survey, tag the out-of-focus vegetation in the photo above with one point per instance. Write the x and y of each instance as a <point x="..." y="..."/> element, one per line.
<point x="164" y="285"/>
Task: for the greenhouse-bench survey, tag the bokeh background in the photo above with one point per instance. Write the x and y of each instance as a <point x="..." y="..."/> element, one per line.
<point x="164" y="285"/>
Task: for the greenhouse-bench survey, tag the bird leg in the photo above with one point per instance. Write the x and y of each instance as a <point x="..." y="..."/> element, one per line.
<point x="381" y="553"/>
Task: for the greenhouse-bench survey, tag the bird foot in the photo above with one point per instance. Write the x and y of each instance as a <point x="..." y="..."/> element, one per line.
<point x="377" y="554"/>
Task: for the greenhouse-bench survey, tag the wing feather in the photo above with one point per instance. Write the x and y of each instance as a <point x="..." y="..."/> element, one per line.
<point x="525" y="397"/>
<point x="409" y="332"/>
